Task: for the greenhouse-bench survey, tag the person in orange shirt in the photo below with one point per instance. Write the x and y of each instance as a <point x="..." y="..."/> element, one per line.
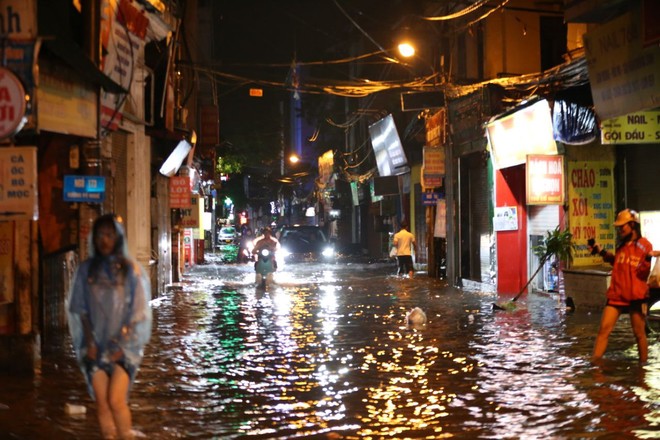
<point x="628" y="291"/>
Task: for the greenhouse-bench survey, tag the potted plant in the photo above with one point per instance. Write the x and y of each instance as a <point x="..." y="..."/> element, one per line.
<point x="557" y="243"/>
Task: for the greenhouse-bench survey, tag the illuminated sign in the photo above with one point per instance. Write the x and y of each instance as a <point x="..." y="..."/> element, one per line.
<point x="89" y="189"/>
<point x="527" y="131"/>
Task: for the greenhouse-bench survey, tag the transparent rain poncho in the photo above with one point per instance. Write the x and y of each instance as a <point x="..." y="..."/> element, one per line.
<point x="114" y="292"/>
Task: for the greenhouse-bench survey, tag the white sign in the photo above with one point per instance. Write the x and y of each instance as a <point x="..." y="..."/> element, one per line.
<point x="18" y="183"/>
<point x="506" y="218"/>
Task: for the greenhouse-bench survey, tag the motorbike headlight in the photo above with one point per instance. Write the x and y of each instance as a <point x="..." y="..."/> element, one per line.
<point x="265" y="252"/>
<point x="328" y="252"/>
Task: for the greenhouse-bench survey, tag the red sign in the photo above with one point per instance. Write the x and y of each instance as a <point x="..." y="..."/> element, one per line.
<point x="180" y="192"/>
<point x="545" y="180"/>
<point x="12" y="103"/>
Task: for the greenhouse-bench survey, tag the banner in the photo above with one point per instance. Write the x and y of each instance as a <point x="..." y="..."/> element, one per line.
<point x="591" y="208"/>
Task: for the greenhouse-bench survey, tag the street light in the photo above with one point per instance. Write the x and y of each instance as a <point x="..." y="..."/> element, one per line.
<point x="406" y="49"/>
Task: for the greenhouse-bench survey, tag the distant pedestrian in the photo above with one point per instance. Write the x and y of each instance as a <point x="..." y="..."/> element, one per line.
<point x="110" y="323"/>
<point x="628" y="291"/>
<point x="405" y="245"/>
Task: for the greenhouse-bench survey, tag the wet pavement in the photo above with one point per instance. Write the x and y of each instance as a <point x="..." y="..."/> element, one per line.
<point x="325" y="352"/>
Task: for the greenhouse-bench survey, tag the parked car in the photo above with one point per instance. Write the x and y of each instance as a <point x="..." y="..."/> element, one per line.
<point x="305" y="243"/>
<point x="227" y="235"/>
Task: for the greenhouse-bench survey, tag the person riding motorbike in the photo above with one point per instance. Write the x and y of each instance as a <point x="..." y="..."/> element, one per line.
<point x="266" y="241"/>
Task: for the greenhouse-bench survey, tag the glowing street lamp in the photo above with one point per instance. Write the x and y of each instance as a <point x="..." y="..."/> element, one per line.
<point x="406" y="49"/>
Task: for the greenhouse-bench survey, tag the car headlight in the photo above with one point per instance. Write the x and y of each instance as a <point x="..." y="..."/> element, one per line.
<point x="284" y="252"/>
<point x="328" y="252"/>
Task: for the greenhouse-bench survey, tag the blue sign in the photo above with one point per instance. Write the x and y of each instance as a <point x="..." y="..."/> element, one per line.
<point x="431" y="198"/>
<point x="89" y="189"/>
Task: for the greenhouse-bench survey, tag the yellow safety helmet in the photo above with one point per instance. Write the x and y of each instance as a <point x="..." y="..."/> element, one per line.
<point x="626" y="216"/>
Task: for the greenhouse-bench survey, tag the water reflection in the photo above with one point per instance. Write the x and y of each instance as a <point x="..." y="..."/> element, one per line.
<point x="325" y="352"/>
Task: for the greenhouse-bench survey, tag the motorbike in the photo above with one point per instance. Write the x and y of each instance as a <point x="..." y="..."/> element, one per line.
<point x="264" y="267"/>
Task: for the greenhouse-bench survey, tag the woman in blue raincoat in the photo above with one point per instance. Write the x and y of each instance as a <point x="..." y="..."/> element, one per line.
<point x="110" y="323"/>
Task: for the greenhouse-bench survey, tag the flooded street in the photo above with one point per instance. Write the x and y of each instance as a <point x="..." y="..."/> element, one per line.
<point x="326" y="353"/>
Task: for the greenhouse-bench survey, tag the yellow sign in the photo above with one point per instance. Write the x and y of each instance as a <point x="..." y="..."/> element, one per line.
<point x="591" y="208"/>
<point x="633" y="128"/>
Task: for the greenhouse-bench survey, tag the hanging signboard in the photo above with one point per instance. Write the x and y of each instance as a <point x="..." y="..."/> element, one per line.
<point x="436" y="132"/>
<point x="545" y="180"/>
<point x="18" y="183"/>
<point x="433" y="168"/>
<point x="190" y="217"/>
<point x="180" y="192"/>
<point x="12" y="103"/>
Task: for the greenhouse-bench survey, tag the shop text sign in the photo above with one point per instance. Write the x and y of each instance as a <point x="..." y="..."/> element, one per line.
<point x="591" y="208"/>
<point x="18" y="183"/>
<point x="90" y="189"/>
<point x="634" y="128"/>
<point x="545" y="180"/>
<point x="623" y="74"/>
<point x="180" y="192"/>
<point x="190" y="216"/>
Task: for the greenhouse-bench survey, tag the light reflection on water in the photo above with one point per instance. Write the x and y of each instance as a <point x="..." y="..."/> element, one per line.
<point x="325" y="353"/>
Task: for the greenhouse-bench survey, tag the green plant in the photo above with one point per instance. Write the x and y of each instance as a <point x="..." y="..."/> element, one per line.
<point x="558" y="243"/>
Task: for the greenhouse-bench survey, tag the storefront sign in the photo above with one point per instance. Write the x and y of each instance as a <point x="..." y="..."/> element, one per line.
<point x="190" y="217"/>
<point x="506" y="218"/>
<point x="633" y="128"/>
<point x="90" y="189"/>
<point x="18" y="183"/>
<point x="591" y="208"/>
<point x="12" y="103"/>
<point x="436" y="131"/>
<point x="65" y="106"/>
<point x="545" y="180"/>
<point x="430" y="198"/>
<point x="527" y="131"/>
<point x="18" y="19"/>
<point x="624" y="75"/>
<point x="433" y="168"/>
<point x="180" y="192"/>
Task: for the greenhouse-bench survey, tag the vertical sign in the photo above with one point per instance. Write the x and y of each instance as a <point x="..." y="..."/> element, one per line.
<point x="591" y="208"/>
<point x="190" y="216"/>
<point x="545" y="180"/>
<point x="18" y="183"/>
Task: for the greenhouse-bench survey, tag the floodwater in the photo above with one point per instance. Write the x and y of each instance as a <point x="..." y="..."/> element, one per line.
<point x="325" y="353"/>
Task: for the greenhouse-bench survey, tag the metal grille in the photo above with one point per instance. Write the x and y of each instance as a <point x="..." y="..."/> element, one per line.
<point x="58" y="272"/>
